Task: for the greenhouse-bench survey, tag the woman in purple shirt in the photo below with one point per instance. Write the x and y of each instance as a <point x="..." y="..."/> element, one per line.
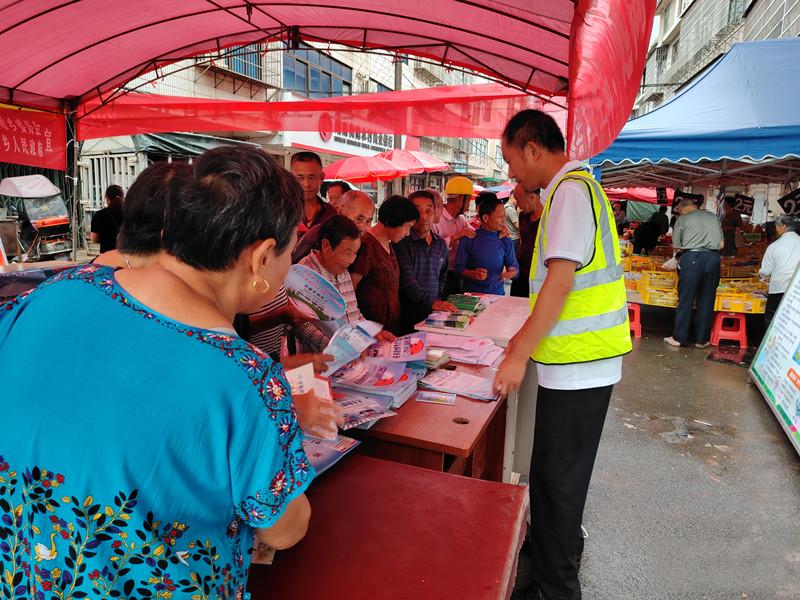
<point x="487" y="260"/>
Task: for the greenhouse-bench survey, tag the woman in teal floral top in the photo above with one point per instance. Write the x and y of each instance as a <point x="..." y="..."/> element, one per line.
<point x="142" y="472"/>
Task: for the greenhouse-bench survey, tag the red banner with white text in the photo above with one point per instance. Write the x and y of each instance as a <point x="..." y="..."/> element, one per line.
<point x="32" y="138"/>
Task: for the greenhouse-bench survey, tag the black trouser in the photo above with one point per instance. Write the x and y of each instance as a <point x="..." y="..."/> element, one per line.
<point x="698" y="279"/>
<point x="453" y="284"/>
<point x="565" y="440"/>
<point x="773" y="300"/>
<point x="521" y="286"/>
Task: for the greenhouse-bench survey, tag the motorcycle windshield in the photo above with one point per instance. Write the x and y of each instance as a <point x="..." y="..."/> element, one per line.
<point x="37" y="209"/>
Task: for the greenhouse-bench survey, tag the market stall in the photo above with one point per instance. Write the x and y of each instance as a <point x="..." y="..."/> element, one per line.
<point x="736" y="123"/>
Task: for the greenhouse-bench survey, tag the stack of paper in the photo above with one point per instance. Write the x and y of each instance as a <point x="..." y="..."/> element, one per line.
<point x="463" y="384"/>
<point x="448" y="319"/>
<point x="436" y="357"/>
<point x="377" y="377"/>
<point x="361" y="410"/>
<point x="467" y="350"/>
<point x="408" y="348"/>
<point x="468" y="303"/>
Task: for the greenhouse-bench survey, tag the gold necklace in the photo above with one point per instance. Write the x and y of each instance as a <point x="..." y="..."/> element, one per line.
<point x="127" y="262"/>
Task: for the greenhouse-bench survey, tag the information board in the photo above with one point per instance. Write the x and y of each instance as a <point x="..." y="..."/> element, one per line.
<point x="776" y="366"/>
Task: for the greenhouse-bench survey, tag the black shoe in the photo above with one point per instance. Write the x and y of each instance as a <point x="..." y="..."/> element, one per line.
<point x="581" y="543"/>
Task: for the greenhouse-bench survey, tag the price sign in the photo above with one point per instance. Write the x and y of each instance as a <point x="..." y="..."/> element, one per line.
<point x="744" y="204"/>
<point x="790" y="203"/>
<point x="679" y="195"/>
<point x="661" y="196"/>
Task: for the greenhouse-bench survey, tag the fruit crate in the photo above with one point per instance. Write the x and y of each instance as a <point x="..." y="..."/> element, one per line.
<point x="659" y="297"/>
<point x="658" y="279"/>
<point x="632" y="280"/>
<point x="740" y="303"/>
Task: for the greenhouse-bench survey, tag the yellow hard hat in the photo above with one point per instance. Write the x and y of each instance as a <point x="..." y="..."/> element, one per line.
<point x="458" y="186"/>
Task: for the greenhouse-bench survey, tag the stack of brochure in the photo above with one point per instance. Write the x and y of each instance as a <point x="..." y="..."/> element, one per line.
<point x="470" y="304"/>
<point x="463" y="384"/>
<point x="408" y="348"/>
<point x="436" y="357"/>
<point x="377" y="377"/>
<point x="467" y="350"/>
<point x="446" y="319"/>
<point x="361" y="410"/>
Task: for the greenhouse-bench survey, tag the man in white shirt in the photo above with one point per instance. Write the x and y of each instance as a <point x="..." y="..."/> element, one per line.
<point x="577" y="344"/>
<point x="453" y="226"/>
<point x="780" y="262"/>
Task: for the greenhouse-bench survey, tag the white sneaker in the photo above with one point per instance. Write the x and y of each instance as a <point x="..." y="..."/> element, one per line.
<point x="672" y="341"/>
<point x="702" y="346"/>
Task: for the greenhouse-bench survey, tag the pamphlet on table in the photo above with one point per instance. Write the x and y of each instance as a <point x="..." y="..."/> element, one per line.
<point x="349" y="341"/>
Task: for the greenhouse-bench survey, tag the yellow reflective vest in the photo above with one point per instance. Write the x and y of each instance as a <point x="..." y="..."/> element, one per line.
<point x="594" y="322"/>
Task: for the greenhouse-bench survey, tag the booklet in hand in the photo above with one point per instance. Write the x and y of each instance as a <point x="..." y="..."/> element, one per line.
<point x="349" y="341"/>
<point x="313" y="295"/>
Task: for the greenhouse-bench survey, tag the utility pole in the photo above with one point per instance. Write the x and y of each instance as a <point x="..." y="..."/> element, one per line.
<point x="398" y="85"/>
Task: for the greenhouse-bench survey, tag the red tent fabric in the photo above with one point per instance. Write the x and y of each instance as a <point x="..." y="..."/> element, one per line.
<point x="452" y="111"/>
<point x="640" y="194"/>
<point x="57" y="54"/>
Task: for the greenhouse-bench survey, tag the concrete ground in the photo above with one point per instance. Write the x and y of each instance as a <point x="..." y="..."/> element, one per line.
<point x="696" y="489"/>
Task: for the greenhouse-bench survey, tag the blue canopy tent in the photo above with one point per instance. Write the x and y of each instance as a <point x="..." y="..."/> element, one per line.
<point x="736" y="123"/>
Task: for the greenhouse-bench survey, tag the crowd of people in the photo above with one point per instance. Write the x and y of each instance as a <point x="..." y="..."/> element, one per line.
<point x="196" y="446"/>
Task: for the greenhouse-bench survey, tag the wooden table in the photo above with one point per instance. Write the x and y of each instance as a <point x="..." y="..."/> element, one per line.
<point x="499" y="322"/>
<point x="464" y="439"/>
<point x="382" y="530"/>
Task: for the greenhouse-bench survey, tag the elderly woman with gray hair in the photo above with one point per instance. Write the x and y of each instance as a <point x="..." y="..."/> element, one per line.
<point x="780" y="262"/>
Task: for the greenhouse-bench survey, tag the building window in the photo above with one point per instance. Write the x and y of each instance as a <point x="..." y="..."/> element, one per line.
<point x="662" y="57"/>
<point x="379" y="87"/>
<point x="246" y="60"/>
<point x="736" y="9"/>
<point x="667" y="18"/>
<point x="311" y="73"/>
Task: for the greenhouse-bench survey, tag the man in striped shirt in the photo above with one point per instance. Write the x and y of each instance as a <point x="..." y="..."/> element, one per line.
<point x="339" y="241"/>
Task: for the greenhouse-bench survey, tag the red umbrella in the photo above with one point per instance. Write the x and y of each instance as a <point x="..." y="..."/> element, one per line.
<point x="414" y="161"/>
<point x="361" y="169"/>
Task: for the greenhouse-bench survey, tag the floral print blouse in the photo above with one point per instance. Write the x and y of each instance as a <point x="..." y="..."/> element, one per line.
<point x="138" y="471"/>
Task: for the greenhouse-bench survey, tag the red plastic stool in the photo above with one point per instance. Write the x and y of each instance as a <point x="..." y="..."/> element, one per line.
<point x="635" y="317"/>
<point x="729" y="326"/>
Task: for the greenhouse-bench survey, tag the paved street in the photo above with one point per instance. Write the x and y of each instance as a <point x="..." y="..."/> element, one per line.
<point x="696" y="490"/>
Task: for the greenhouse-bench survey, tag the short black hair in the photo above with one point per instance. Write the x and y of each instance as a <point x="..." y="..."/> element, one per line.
<point x="483" y="196"/>
<point x="730" y="200"/>
<point x="337" y="229"/>
<point x="113" y="192"/>
<point x="534" y="126"/>
<point x="306" y="157"/>
<point x="143" y="211"/>
<point x="663" y="208"/>
<point x="423" y="194"/>
<point x="396" y="211"/>
<point x="340" y="184"/>
<point x="488" y="204"/>
<point x="240" y="196"/>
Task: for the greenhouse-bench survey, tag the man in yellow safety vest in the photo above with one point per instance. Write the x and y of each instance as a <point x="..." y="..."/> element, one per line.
<point x="576" y="334"/>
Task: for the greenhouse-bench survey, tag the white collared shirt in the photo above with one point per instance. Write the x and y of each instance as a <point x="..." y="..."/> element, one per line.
<point x="780" y="262"/>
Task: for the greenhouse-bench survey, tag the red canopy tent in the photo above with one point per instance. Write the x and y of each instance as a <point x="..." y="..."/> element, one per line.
<point x="57" y="55"/>
<point x="414" y="161"/>
<point x="640" y="194"/>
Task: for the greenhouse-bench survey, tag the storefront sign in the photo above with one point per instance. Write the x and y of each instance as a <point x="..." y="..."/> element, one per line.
<point x="776" y="366"/>
<point x="36" y="139"/>
<point x="790" y="203"/>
